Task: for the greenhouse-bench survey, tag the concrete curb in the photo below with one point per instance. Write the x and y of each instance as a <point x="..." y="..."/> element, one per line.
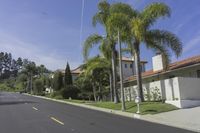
<point x="116" y="112"/>
<point x="148" y="118"/>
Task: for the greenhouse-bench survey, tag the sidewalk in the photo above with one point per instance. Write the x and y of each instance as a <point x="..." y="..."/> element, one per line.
<point x="183" y="118"/>
<point x="188" y="119"/>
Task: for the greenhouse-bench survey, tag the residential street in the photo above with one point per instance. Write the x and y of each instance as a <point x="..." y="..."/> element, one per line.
<point x="25" y="114"/>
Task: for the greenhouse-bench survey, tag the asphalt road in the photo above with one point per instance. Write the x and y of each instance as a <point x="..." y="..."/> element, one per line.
<point x="25" y="114"/>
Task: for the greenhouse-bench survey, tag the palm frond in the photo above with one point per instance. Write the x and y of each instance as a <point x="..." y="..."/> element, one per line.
<point x="97" y="63"/>
<point x="102" y="14"/>
<point x="167" y="38"/>
<point x="90" y="42"/>
<point x="118" y="21"/>
<point x="105" y="48"/>
<point x="157" y="47"/>
<point x="123" y="8"/>
<point x="154" y="11"/>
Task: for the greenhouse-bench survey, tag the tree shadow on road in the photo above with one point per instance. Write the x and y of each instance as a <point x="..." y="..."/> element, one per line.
<point x="15" y="102"/>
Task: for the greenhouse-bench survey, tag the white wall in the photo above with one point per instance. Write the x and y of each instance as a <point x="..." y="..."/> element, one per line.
<point x="152" y="91"/>
<point x="172" y="91"/>
<point x="189" y="88"/>
<point x="157" y="62"/>
<point x="179" y="91"/>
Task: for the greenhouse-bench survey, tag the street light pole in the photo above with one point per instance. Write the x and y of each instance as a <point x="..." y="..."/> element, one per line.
<point x="121" y="74"/>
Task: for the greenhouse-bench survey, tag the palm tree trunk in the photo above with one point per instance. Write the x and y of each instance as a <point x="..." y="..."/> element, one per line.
<point x="121" y="75"/>
<point x="111" y="87"/>
<point x="100" y="92"/>
<point x="94" y="92"/>
<point x="138" y="71"/>
<point x="31" y="83"/>
<point x="114" y="72"/>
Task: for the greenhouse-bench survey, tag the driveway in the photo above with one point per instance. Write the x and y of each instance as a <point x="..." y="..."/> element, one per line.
<point x="184" y="118"/>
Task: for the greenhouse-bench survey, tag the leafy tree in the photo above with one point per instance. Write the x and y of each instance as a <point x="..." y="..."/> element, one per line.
<point x="101" y="67"/>
<point x="38" y="87"/>
<point x="70" y="91"/>
<point x="85" y="87"/>
<point x="58" y="81"/>
<point x="30" y="70"/>
<point x="9" y="66"/>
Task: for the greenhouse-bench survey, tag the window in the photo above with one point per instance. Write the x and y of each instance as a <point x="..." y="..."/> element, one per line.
<point x="125" y="65"/>
<point x="171" y="76"/>
<point x="131" y="65"/>
<point x="198" y="73"/>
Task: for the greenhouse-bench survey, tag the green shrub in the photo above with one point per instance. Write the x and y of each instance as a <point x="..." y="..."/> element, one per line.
<point x="70" y="91"/>
<point x="4" y="87"/>
<point x="38" y="87"/>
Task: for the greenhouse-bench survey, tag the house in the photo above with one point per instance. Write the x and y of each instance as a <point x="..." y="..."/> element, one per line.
<point x="128" y="66"/>
<point x="178" y="85"/>
<point x="76" y="72"/>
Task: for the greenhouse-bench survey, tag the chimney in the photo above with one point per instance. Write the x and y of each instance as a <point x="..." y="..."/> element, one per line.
<point x="158" y="62"/>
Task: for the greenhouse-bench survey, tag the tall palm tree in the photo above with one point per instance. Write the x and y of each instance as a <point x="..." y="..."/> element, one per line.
<point x="159" y="40"/>
<point x="116" y="23"/>
<point x="101" y="17"/>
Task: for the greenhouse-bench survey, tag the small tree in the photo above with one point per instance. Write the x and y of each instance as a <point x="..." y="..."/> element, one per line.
<point x="38" y="86"/>
<point x="58" y="81"/>
<point x="70" y="91"/>
<point x="68" y="76"/>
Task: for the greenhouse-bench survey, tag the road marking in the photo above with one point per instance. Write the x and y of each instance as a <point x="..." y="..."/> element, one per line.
<point x="35" y="108"/>
<point x="56" y="120"/>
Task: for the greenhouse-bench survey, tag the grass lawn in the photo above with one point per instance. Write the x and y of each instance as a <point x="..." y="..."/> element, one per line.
<point x="145" y="107"/>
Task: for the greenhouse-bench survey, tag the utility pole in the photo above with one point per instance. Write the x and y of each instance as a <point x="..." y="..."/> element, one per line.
<point x="121" y="74"/>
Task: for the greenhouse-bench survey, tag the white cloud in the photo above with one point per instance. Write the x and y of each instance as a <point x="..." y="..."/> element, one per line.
<point x="19" y="48"/>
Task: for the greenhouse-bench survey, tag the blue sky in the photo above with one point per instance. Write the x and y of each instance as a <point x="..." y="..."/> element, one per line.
<point x="48" y="31"/>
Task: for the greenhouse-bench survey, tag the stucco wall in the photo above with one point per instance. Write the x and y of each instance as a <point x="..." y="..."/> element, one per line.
<point x="152" y="91"/>
<point x="189" y="88"/>
<point x="178" y="88"/>
<point x="172" y="89"/>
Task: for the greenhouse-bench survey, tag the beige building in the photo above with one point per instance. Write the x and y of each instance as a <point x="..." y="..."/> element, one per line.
<point x="128" y="66"/>
<point x="179" y="85"/>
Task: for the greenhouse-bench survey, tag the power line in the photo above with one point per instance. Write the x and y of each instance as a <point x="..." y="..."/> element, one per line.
<point x="81" y="28"/>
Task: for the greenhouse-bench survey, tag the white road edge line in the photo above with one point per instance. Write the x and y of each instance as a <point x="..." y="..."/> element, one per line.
<point x="56" y="120"/>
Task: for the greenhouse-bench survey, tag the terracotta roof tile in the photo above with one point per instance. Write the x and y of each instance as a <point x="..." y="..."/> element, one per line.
<point x="172" y="66"/>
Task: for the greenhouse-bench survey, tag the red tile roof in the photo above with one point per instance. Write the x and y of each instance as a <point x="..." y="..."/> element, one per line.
<point x="179" y="64"/>
<point x="74" y="71"/>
